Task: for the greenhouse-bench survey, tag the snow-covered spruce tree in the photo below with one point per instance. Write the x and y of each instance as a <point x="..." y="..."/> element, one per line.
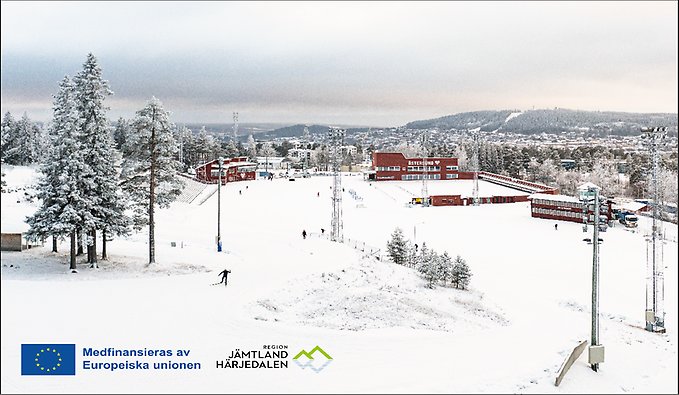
<point x="461" y="273"/>
<point x="182" y="136"/>
<point x="252" y="148"/>
<point x="429" y="268"/>
<point x="99" y="152"/>
<point x="397" y="247"/>
<point x="150" y="172"/>
<point x="7" y="135"/>
<point x="25" y="142"/>
<point x="424" y="255"/>
<point x="412" y="258"/>
<point x="65" y="175"/>
<point x="120" y="132"/>
<point x="445" y="268"/>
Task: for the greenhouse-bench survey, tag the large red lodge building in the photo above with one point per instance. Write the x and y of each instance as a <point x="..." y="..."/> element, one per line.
<point x="395" y="166"/>
<point x="233" y="169"/>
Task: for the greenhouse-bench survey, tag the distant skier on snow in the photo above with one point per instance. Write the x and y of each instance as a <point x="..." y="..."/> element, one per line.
<point x="225" y="274"/>
<point x="556" y="226"/>
<point x="304" y="234"/>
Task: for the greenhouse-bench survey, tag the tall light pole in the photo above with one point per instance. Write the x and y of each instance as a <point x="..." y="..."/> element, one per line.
<point x="336" y="137"/>
<point x="219" y="205"/>
<point x="425" y="190"/>
<point x="655" y="295"/>
<point x="596" y="350"/>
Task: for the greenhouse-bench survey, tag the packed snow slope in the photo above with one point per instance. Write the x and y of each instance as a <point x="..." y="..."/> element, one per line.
<point x="528" y="306"/>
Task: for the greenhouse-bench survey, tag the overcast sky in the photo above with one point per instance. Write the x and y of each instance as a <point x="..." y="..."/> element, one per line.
<point x="379" y="64"/>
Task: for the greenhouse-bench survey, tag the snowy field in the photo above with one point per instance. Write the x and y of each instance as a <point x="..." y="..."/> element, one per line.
<point x="528" y="306"/>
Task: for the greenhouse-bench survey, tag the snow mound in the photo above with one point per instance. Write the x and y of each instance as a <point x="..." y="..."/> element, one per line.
<point x="372" y="295"/>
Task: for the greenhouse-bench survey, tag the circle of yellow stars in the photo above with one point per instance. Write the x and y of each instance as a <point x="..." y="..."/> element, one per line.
<point x="48" y="351"/>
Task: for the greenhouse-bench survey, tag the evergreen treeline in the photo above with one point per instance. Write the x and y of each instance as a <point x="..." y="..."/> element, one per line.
<point x="598" y="164"/>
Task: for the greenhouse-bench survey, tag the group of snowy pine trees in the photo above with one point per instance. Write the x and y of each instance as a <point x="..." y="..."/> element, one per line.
<point x="22" y="142"/>
<point x="434" y="267"/>
<point x="83" y="190"/>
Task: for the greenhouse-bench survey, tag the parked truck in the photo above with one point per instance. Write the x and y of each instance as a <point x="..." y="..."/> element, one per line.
<point x="628" y="219"/>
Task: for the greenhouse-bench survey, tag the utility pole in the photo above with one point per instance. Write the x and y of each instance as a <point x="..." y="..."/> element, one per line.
<point x="655" y="314"/>
<point x="219" y="205"/>
<point x="336" y="140"/>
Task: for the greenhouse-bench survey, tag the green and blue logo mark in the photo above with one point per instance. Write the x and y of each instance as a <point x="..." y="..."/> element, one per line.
<point x="48" y="359"/>
<point x="310" y="362"/>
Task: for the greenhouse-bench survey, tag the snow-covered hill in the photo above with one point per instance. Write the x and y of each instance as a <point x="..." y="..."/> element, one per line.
<point x="555" y="120"/>
<point x="527" y="307"/>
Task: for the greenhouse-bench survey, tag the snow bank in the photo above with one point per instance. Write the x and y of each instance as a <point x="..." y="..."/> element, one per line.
<point x="372" y="295"/>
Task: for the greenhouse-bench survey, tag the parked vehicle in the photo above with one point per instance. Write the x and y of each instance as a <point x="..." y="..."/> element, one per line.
<point x="628" y="219"/>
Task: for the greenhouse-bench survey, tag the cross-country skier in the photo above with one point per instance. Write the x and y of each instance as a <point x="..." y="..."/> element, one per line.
<point x="304" y="234"/>
<point x="224" y="273"/>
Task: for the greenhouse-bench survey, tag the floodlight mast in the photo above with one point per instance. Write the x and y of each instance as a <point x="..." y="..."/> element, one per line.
<point x="336" y="139"/>
<point x="655" y="314"/>
<point x="595" y="275"/>
<point x="425" y="191"/>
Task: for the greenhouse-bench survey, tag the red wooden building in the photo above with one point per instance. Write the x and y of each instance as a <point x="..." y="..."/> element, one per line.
<point x="233" y="169"/>
<point x="395" y="166"/>
<point x="458" y="200"/>
<point x="565" y="208"/>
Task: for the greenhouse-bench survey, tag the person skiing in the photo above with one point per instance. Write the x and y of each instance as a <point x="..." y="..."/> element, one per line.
<point x="318" y="194"/>
<point x="556" y="226"/>
<point x="240" y="192"/>
<point x="224" y="273"/>
<point x="304" y="234"/>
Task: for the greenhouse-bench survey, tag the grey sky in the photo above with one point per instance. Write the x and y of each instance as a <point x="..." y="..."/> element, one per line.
<point x="380" y="63"/>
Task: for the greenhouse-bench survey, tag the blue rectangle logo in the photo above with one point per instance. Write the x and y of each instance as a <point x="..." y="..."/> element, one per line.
<point x="48" y="359"/>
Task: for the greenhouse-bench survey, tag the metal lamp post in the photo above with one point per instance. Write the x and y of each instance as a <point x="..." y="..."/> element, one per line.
<point x="596" y="350"/>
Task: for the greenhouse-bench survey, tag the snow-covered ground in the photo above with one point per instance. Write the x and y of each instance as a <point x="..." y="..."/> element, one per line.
<point x="529" y="302"/>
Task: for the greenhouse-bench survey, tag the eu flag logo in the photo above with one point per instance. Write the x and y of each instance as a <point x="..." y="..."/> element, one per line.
<point x="47" y="359"/>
